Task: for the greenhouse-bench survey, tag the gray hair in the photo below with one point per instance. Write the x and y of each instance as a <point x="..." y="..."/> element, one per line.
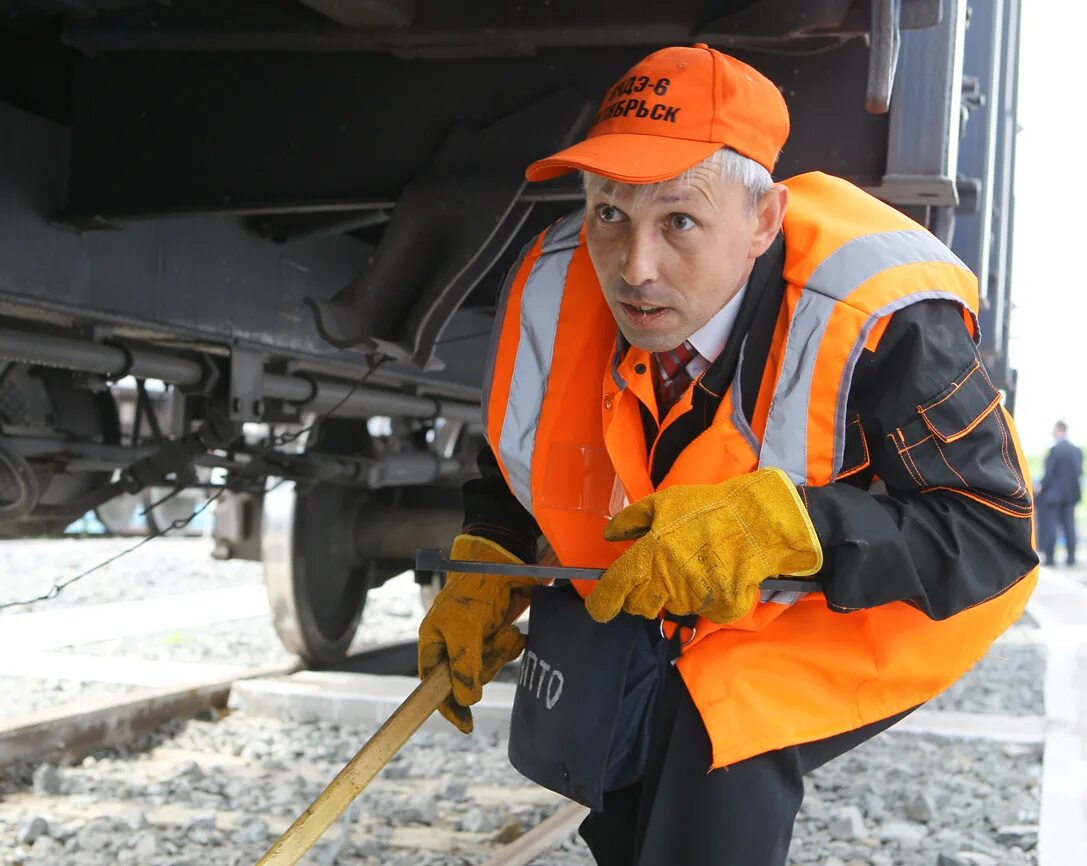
<point x="726" y="162"/>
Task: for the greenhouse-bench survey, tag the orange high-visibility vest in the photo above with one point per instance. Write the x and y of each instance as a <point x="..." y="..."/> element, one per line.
<point x="562" y="416"/>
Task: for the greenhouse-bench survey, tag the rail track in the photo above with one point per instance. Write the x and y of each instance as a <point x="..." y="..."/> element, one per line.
<point x="71" y="732"/>
<point x="75" y="730"/>
<point x="68" y="733"/>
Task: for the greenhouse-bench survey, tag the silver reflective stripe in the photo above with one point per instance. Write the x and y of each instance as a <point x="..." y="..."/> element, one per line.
<point x="857" y="261"/>
<point x="540" y="304"/>
<point x="563" y="234"/>
<point x="785" y="443"/>
<point x="738" y="419"/>
<point x="854" y="356"/>
<point x="496" y="329"/>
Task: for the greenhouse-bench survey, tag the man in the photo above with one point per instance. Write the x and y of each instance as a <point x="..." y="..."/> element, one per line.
<point x="1058" y="494"/>
<point x="706" y="379"/>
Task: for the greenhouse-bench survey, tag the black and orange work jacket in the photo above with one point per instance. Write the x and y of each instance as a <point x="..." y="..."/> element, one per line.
<point x="853" y="367"/>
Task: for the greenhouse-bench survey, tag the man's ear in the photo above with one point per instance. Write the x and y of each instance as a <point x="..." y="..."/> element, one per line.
<point x="769" y="213"/>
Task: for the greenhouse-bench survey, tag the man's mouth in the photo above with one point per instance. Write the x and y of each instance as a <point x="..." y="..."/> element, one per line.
<point x="644" y="313"/>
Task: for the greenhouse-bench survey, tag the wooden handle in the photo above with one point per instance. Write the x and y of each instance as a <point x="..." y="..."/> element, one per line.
<point x="352" y="780"/>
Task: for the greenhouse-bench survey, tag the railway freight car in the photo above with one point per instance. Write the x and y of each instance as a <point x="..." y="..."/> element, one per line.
<point x="297" y="215"/>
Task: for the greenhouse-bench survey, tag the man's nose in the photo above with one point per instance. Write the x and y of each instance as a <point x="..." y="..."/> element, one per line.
<point x="640" y="264"/>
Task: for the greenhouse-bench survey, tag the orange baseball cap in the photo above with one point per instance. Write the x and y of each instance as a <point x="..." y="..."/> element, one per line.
<point x="671" y="111"/>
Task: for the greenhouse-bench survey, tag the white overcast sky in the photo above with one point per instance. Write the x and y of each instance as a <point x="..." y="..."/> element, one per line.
<point x="1049" y="321"/>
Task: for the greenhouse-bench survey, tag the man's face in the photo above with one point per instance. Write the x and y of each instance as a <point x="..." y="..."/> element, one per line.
<point x="669" y="263"/>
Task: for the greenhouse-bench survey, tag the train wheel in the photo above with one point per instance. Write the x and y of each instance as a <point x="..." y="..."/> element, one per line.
<point x="316" y="587"/>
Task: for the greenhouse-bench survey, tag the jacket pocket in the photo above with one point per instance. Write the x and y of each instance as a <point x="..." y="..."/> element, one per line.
<point x="957" y="411"/>
<point x="960" y="441"/>
<point x="855" y="455"/>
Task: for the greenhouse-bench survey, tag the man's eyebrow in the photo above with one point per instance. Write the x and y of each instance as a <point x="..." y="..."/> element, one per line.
<point x="673" y="197"/>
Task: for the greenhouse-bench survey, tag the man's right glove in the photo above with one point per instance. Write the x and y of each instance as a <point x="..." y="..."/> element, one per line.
<point x="464" y="625"/>
<point x="705" y="548"/>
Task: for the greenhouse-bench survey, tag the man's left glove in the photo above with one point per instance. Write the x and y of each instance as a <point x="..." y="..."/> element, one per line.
<point x="465" y="626"/>
<point x="705" y="548"/>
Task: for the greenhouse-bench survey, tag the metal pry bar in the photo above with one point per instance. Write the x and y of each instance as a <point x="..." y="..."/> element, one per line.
<point x="432" y="559"/>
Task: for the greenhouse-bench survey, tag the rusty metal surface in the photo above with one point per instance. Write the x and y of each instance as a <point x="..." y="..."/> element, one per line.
<point x="70" y="733"/>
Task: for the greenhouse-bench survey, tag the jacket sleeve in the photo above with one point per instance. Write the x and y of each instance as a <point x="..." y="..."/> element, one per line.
<point x="953" y="528"/>
<point x="493" y="512"/>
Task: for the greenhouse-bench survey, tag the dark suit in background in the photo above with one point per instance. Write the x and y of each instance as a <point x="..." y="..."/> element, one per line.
<point x="1056" y="502"/>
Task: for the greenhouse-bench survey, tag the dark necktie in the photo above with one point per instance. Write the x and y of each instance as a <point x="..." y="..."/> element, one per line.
<point x="672" y="375"/>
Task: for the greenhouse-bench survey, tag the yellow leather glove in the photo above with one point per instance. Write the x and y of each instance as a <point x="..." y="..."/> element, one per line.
<point x="464" y="625"/>
<point x="705" y="548"/>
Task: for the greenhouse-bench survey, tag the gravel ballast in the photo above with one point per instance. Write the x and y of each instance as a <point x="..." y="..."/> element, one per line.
<point x="246" y="642"/>
<point x="162" y="566"/>
<point x="1009" y="680"/>
<point x="30" y="694"/>
<point x="219" y="790"/>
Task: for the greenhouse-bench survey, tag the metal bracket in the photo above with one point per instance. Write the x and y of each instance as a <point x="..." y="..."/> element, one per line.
<point x="433" y="560"/>
<point x="909" y="189"/>
<point x="885" y="40"/>
<point x="246" y="385"/>
<point x="173" y="457"/>
<point x="450" y="225"/>
<point x="969" y="190"/>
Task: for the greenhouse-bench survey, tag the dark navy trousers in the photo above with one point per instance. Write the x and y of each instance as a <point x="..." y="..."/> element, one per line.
<point x="740" y="815"/>
<point x="1054" y="516"/>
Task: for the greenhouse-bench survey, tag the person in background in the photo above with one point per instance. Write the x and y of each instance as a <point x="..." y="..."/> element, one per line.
<point x="1058" y="494"/>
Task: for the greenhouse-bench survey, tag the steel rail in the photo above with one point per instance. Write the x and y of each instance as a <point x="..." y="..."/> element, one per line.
<point x="72" y="732"/>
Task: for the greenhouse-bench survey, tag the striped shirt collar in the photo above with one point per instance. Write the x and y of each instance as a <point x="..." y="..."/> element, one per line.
<point x="710" y="339"/>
